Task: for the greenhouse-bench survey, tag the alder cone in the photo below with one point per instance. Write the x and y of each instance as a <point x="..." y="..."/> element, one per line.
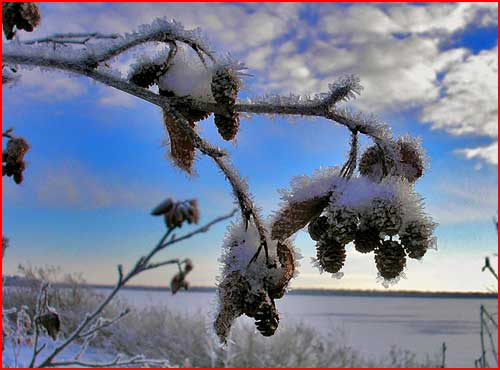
<point x="390" y="259"/>
<point x="266" y="318"/>
<point x="318" y="227"/>
<point x="367" y="241"/>
<point x="343" y="225"/>
<point x="416" y="238"/>
<point x="412" y="159"/>
<point x="225" y="86"/>
<point x="330" y="254"/>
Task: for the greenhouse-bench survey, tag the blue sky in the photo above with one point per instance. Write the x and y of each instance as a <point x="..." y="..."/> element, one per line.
<point x="98" y="161"/>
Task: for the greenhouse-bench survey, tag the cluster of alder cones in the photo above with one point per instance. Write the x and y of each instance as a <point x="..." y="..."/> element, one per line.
<point x="225" y="85"/>
<point x="254" y="295"/>
<point x="373" y="231"/>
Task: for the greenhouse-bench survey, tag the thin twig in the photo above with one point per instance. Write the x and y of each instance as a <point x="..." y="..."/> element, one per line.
<point x="140" y="266"/>
<point x="38" y="311"/>
<point x="68" y="37"/>
<point x="104" y="324"/>
<point x="487" y="266"/>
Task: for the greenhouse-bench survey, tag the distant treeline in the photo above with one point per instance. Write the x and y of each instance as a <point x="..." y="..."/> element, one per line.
<point x="19" y="281"/>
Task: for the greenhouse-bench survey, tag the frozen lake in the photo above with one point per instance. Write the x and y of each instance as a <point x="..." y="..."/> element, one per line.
<point x="369" y="324"/>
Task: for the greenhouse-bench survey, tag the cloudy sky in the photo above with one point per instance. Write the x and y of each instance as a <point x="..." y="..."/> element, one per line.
<point x="97" y="164"/>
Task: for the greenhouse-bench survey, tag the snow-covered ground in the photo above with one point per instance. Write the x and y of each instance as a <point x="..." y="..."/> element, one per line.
<point x="23" y="357"/>
<point x="370" y="324"/>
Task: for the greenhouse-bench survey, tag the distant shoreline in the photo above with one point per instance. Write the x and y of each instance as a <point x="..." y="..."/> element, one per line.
<point x="15" y="281"/>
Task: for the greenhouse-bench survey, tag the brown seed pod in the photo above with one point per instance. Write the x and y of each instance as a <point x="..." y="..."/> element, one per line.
<point x="330" y="254"/>
<point x="294" y="216"/>
<point x="318" y="227"/>
<point x="225" y="85"/>
<point x="390" y="259"/>
<point x="51" y="323"/>
<point x="23" y="16"/>
<point x="367" y="241"/>
<point x="416" y="238"/>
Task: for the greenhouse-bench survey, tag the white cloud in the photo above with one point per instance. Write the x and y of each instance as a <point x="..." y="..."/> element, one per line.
<point x="48" y="86"/>
<point x="446" y="18"/>
<point x="469" y="103"/>
<point x="116" y="98"/>
<point x="488" y="153"/>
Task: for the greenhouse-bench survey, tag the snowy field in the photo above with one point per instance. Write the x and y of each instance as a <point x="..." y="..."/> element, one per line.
<point x="370" y="324"/>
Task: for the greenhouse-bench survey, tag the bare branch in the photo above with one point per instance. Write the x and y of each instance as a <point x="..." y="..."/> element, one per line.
<point x="200" y="230"/>
<point x="72" y="38"/>
<point x="140" y="266"/>
<point x="104" y="323"/>
<point x="38" y="311"/>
